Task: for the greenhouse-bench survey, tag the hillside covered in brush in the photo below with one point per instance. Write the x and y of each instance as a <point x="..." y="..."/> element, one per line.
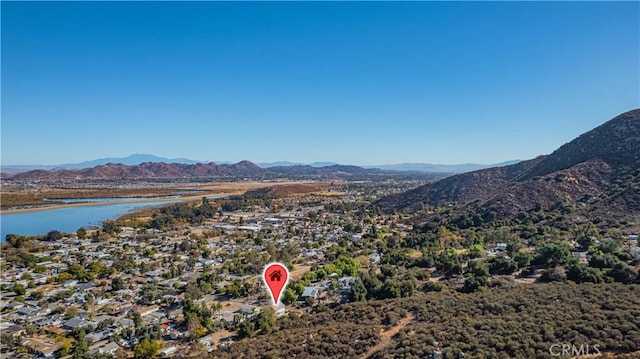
<point x="597" y="172"/>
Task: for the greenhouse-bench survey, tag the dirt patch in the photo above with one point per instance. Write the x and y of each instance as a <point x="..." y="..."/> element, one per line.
<point x="386" y="335"/>
<point x="298" y="271"/>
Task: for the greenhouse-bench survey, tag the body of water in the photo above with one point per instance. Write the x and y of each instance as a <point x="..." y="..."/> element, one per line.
<point x="65" y="219"/>
<point x="69" y="219"/>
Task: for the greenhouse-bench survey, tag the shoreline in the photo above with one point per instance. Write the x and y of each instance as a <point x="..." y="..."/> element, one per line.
<point x="141" y="200"/>
<point x="216" y="189"/>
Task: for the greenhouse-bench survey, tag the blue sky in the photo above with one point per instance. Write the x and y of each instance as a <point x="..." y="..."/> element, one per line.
<point x="355" y="83"/>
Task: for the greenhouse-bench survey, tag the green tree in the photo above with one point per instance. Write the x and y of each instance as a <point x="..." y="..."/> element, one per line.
<point x="80" y="346"/>
<point x="552" y="254"/>
<point x="81" y="232"/>
<point x="194" y="327"/>
<point x="118" y="284"/>
<point x="586" y="235"/>
<point x="53" y="236"/>
<point x="19" y="289"/>
<point x="580" y="273"/>
<point x="267" y="320"/>
<point x="358" y="291"/>
<point x="147" y="348"/>
<point x="478" y="269"/>
<point x="246" y="328"/>
<point x="71" y="312"/>
<point x="623" y="273"/>
<point x="289" y="296"/>
<point x="522" y="259"/>
<point x="503" y="265"/>
<point x="111" y="227"/>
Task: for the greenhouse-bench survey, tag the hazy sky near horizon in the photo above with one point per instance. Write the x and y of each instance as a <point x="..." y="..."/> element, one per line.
<point x="348" y="82"/>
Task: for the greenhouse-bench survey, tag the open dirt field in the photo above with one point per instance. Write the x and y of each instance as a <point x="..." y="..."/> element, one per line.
<point x="33" y="199"/>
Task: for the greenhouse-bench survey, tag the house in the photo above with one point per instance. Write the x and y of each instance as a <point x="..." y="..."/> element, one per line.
<point x="346" y="282"/>
<point x="310" y="253"/>
<point x="280" y="309"/>
<point x="253" y="228"/>
<point x="70" y="283"/>
<point x="374" y="258"/>
<point x="356" y="238"/>
<point x="309" y="292"/>
<point x="501" y="246"/>
<point x="226" y="227"/>
<point x="75" y="323"/>
<point x="227" y="318"/>
<point x="109" y="348"/>
<point x="125" y="323"/>
<point x="28" y="312"/>
<point x="13" y="330"/>
<point x="144" y="311"/>
<point x="85" y="286"/>
<point x="167" y="352"/>
<point x="175" y="314"/>
<point x="55" y="330"/>
<point x="41" y="348"/>
<point x="635" y="252"/>
<point x="104" y="347"/>
<point x="96" y="337"/>
<point x="207" y="342"/>
<point x="14" y="305"/>
<point x="580" y="256"/>
<point x="248" y="310"/>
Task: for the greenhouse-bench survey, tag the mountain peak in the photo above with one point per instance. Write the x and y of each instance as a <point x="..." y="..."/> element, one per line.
<point x="246" y="166"/>
<point x="586" y="167"/>
<point x="616" y="142"/>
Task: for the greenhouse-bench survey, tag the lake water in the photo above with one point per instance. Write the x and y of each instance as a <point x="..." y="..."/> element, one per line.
<point x="101" y="200"/>
<point x="71" y="218"/>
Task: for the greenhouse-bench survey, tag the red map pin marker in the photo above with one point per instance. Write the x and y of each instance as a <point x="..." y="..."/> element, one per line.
<point x="276" y="277"/>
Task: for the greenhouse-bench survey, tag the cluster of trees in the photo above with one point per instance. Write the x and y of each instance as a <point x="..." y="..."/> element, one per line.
<point x="509" y="322"/>
<point x="265" y="323"/>
<point x="250" y="199"/>
<point x="450" y="242"/>
<point x="608" y="263"/>
<point x="387" y="284"/>
<point x="77" y="347"/>
<point x="199" y="318"/>
<point x="182" y="213"/>
<point x="146" y="349"/>
<point x="342" y="266"/>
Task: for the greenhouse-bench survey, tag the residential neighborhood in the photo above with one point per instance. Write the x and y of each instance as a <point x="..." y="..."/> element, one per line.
<point x="182" y="287"/>
<point x="184" y="280"/>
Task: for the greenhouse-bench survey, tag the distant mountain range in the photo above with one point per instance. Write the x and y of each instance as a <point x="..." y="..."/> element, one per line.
<point x="431" y="168"/>
<point x="146" y="170"/>
<point x="204" y="171"/>
<point x="288" y="164"/>
<point x="137" y="159"/>
<point x="130" y="160"/>
<point x="597" y="172"/>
